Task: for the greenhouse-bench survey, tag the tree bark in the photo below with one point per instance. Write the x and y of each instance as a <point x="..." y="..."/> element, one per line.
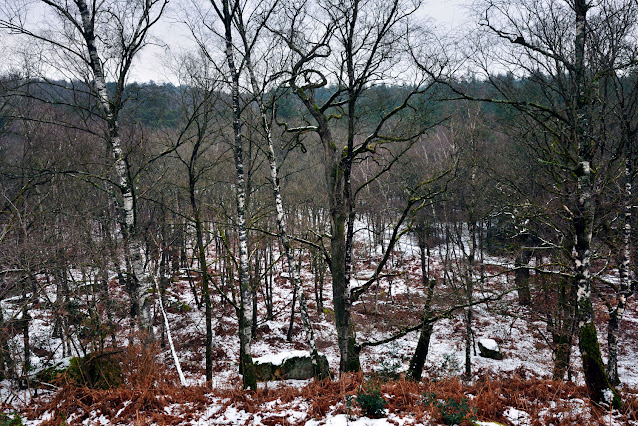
<point x="415" y="370"/>
<point x="561" y="329"/>
<point x="142" y="285"/>
<point x="247" y="368"/>
<point x="615" y="316"/>
<point x="593" y="367"/>
<point x="521" y="277"/>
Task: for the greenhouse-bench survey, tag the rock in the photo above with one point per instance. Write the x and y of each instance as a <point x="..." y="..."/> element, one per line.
<point x="296" y="365"/>
<point x="489" y="349"/>
<point x="96" y="371"/>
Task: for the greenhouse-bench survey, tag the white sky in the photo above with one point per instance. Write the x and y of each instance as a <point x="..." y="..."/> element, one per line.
<point x="151" y="64"/>
<point x="447" y="15"/>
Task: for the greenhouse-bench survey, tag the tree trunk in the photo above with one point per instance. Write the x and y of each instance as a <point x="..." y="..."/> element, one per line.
<point x="562" y="330"/>
<point x="246" y="366"/>
<point x="291" y="322"/>
<point x="469" y="289"/>
<point x="178" y="366"/>
<point x="104" y="290"/>
<point x="142" y="285"/>
<point x="268" y="278"/>
<point x="349" y="355"/>
<point x="6" y="363"/>
<point x="615" y="316"/>
<point x="521" y="277"/>
<point x="593" y="367"/>
<point x="201" y="253"/>
<point x="417" y="361"/>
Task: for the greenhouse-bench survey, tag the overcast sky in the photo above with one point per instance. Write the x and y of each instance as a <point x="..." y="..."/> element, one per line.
<point x="447" y="15"/>
<point x="152" y="64"/>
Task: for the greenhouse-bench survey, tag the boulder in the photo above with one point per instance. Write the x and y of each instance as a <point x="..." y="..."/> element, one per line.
<point x="96" y="371"/>
<point x="295" y="365"/>
<point x="489" y="349"/>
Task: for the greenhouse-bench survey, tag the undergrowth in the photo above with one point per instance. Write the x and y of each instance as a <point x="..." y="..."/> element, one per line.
<point x="150" y="387"/>
<point x="10" y="420"/>
<point x="147" y="388"/>
<point x="370" y="400"/>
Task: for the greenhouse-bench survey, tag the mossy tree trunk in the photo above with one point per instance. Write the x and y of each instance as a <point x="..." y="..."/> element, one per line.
<point x="415" y="370"/>
<point x="593" y="367"/>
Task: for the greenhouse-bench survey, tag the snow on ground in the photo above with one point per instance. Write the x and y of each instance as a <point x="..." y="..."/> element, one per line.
<point x="391" y="304"/>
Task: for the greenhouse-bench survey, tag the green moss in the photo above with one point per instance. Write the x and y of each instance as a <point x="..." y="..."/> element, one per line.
<point x="328" y="311"/>
<point x="352" y="363"/>
<point x="10" y="420"/>
<point x="50" y="374"/>
<point x="248" y="372"/>
<point x="322" y="370"/>
<point x="178" y="306"/>
<point x="594" y="368"/>
<point x="96" y="371"/>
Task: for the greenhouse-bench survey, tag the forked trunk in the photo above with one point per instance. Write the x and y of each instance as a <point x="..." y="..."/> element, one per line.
<point x="417" y="361"/>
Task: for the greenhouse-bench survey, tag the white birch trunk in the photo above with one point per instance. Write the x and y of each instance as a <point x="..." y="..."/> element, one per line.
<point x="282" y="224"/>
<point x="615" y="316"/>
<point x="245" y="311"/>
<point x="169" y="336"/>
<point x="129" y="229"/>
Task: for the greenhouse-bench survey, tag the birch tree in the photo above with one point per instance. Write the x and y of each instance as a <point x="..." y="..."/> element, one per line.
<point x="215" y="14"/>
<point x="97" y="42"/>
<point x="259" y="91"/>
<point x="616" y="54"/>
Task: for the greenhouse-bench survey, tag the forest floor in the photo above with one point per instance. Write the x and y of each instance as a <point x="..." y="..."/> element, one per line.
<point x="516" y="390"/>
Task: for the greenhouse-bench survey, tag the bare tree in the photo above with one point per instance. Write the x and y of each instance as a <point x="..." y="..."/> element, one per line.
<point x="259" y="93"/>
<point x="342" y="51"/>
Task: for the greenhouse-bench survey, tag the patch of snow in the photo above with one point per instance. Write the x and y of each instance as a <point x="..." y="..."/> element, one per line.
<point x="281" y="357"/>
<point x="343" y="420"/>
<point x="489" y="344"/>
<point x="517" y="417"/>
<point x="125" y="404"/>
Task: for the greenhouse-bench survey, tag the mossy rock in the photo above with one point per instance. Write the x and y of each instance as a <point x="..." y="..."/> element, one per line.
<point x="96" y="371"/>
<point x="296" y="365"/>
<point x="178" y="307"/>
